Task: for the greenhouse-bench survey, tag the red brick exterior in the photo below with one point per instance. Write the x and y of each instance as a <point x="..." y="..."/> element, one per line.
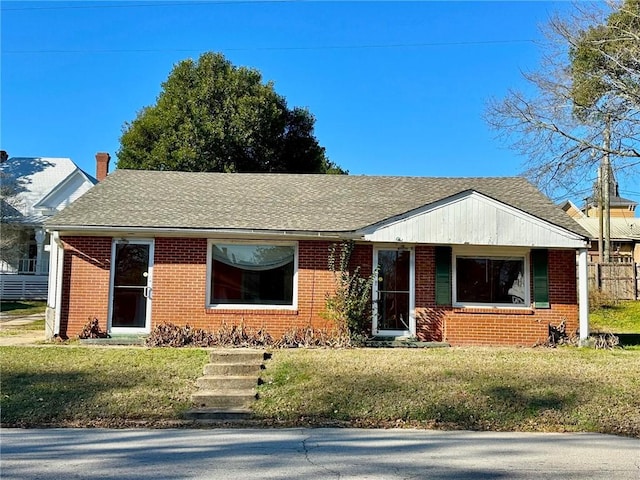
<point x="85" y="285"/>
<point x="493" y="326"/>
<point x="180" y="282"/>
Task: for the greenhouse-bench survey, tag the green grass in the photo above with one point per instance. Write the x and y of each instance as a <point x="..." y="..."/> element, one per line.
<point x="502" y="389"/>
<point x="566" y="389"/>
<point x="78" y="386"/>
<point x="23" y="307"/>
<point x="623" y="317"/>
<point x="37" y="326"/>
<point x="27" y="328"/>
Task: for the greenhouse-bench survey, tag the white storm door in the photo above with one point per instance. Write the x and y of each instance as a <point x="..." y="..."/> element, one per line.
<point x="131" y="286"/>
<point x="394" y="292"/>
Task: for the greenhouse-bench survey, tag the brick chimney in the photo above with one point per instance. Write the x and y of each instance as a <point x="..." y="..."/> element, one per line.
<point x="102" y="165"/>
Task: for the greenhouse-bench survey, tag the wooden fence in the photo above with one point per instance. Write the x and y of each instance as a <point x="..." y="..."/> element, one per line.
<point x="617" y="280"/>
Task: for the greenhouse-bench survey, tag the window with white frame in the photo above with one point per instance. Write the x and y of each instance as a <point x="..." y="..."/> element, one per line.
<point x="491" y="280"/>
<point x="251" y="274"/>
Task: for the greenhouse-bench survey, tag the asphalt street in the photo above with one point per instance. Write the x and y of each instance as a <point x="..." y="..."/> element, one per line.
<point x="323" y="453"/>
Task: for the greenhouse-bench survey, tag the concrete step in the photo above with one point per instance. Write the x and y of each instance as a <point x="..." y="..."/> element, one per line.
<point x="227" y="382"/>
<point x="217" y="414"/>
<point x="391" y="342"/>
<point x="237" y="355"/>
<point x="223" y="399"/>
<point x="235" y="369"/>
<point x="115" y="340"/>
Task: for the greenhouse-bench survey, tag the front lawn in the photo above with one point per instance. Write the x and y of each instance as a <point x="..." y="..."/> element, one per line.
<point x="37" y="326"/>
<point x="620" y="317"/>
<point x="78" y="386"/>
<point x="22" y="307"/>
<point x="565" y="389"/>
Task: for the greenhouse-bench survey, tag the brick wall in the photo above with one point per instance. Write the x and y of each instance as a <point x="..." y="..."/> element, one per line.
<point x="179" y="294"/>
<point x="179" y="286"/>
<point x="179" y="281"/>
<point x="489" y="326"/>
<point x="85" y="284"/>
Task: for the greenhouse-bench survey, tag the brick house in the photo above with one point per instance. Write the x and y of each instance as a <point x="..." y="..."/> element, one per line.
<point x="470" y="261"/>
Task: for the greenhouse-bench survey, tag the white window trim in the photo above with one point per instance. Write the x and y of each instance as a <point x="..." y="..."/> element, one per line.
<point x="492" y="253"/>
<point x="252" y="306"/>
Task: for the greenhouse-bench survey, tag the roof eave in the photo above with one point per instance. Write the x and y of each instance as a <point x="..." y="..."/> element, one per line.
<point x="122" y="230"/>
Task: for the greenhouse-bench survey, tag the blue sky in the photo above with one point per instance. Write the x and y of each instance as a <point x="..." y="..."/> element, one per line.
<point x="396" y="88"/>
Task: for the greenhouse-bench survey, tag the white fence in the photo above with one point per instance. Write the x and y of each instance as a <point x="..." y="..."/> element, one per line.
<point x="23" y="287"/>
<point x="24" y="266"/>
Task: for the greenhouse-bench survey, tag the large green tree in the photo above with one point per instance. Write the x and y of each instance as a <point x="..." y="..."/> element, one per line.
<point x="605" y="64"/>
<point x="212" y="116"/>
<point x="584" y="100"/>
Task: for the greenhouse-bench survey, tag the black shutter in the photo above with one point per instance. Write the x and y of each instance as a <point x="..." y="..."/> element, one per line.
<point x="540" y="263"/>
<point x="443" y="275"/>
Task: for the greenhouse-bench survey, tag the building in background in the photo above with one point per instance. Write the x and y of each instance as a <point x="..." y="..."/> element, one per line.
<point x="33" y="189"/>
<point x="625" y="226"/>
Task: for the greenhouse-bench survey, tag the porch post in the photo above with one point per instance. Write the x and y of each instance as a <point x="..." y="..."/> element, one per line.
<point x="40" y="236"/>
<point x="583" y="295"/>
<point x="54" y="298"/>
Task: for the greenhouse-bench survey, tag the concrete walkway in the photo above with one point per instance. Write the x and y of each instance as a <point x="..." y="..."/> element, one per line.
<point x="324" y="453"/>
<point x="23" y="337"/>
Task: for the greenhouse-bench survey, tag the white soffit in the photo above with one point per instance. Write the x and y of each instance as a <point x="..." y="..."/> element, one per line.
<point x="473" y="218"/>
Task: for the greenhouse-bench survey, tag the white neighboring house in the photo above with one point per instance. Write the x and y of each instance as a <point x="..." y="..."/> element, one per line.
<point x="34" y="188"/>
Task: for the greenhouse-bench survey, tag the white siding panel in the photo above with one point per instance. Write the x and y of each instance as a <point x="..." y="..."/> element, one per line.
<point x="474" y="219"/>
<point x="73" y="188"/>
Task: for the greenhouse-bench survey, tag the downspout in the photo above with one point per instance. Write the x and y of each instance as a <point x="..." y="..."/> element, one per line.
<point x="583" y="296"/>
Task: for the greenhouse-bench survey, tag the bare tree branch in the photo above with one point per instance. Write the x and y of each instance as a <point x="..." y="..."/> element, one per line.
<point x="589" y="75"/>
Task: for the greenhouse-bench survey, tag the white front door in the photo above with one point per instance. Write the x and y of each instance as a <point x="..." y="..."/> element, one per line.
<point x="394" y="292"/>
<point x="131" y="286"/>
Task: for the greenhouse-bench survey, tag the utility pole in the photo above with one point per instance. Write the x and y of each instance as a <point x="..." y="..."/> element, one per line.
<point x="600" y="198"/>
<point x="606" y="191"/>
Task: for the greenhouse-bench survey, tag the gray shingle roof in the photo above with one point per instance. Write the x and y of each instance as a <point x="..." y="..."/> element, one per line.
<point x="313" y="203"/>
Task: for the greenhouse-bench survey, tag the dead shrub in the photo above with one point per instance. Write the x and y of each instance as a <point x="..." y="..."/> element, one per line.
<point x="605" y="341"/>
<point x="92" y="330"/>
<point x="599" y="299"/>
<point x="558" y="336"/>
<point x="309" y="337"/>
<point x="170" y="335"/>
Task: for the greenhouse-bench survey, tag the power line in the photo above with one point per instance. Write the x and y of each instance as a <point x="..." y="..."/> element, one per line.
<point x="237" y="49"/>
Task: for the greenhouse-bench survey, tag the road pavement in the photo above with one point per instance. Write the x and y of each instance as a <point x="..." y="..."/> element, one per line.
<point x="324" y="453"/>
